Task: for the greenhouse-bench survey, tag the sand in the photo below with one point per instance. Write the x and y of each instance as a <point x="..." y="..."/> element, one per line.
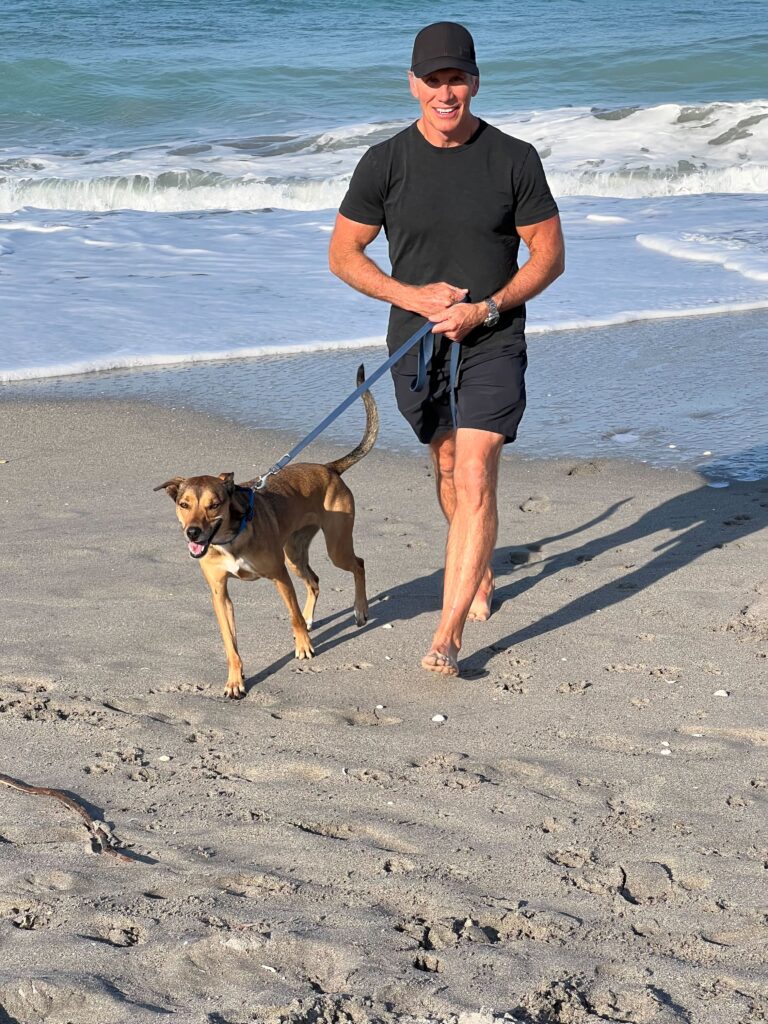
<point x="580" y="838"/>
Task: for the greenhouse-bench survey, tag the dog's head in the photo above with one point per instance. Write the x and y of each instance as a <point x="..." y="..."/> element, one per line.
<point x="207" y="507"/>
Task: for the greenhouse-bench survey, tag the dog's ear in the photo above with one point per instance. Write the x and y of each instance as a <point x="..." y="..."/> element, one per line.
<point x="171" y="487"/>
<point x="229" y="480"/>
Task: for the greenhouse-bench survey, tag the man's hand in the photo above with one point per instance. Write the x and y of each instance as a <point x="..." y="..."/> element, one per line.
<point x="459" y="320"/>
<point x="432" y="300"/>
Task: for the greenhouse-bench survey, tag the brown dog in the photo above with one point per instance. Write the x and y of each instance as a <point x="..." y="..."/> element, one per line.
<point x="235" y="530"/>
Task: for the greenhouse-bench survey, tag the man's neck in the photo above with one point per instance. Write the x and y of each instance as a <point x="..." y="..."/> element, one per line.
<point x="442" y="140"/>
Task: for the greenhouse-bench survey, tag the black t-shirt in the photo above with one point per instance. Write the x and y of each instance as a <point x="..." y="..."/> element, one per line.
<point x="451" y="215"/>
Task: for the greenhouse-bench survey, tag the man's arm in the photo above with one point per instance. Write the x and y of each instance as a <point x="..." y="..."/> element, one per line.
<point x="545" y="264"/>
<point x="349" y="261"/>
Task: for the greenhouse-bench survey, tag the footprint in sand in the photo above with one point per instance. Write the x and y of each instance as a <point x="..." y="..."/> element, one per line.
<point x="527" y="554"/>
<point x="327" y="716"/>
<point x="38" y="706"/>
<point x="752" y="620"/>
<point x="377" y="838"/>
<point x="29" y="684"/>
<point x="77" y="998"/>
<point x="579" y="686"/>
<point x="586" y="468"/>
<point x="25" y="914"/>
<point x="119" y="932"/>
<point x="257" y="885"/>
<point x="737" y="520"/>
<point x="536" y="503"/>
<point x="399" y="866"/>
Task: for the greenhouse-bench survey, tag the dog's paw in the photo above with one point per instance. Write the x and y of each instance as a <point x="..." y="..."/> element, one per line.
<point x="304" y="651"/>
<point x="235" y="689"/>
<point x="361" y="617"/>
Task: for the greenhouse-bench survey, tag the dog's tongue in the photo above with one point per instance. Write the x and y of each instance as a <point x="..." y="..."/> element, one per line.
<point x="195" y="549"/>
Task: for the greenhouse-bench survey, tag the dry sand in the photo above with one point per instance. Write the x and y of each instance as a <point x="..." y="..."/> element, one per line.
<point x="581" y="839"/>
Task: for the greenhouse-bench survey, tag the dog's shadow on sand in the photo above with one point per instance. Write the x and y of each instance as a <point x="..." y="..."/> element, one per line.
<point x="688" y="526"/>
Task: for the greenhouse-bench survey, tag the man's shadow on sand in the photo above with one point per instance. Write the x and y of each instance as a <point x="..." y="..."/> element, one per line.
<point x="699" y="521"/>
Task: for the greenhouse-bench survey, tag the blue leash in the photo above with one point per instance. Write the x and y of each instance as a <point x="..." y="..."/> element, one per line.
<point x="426" y="350"/>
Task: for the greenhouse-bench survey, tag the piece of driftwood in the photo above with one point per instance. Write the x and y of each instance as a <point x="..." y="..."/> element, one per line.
<point x="99" y="833"/>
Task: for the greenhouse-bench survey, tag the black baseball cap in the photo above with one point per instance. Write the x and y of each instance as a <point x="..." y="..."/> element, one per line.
<point x="443" y="45"/>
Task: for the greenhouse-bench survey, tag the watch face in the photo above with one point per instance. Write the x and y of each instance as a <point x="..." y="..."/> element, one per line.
<point x="493" y="314"/>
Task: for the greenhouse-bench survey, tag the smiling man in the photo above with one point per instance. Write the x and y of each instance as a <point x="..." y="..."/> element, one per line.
<point x="455" y="196"/>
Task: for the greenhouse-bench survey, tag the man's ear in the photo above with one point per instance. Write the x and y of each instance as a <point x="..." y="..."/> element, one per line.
<point x="171" y="487"/>
<point x="412" y="85"/>
<point x="475" y="84"/>
<point x="229" y="480"/>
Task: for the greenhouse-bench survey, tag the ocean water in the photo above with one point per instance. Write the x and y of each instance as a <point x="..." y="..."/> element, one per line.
<point x="169" y="171"/>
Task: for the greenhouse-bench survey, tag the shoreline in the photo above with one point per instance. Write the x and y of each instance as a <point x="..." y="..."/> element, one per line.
<point x="580" y="835"/>
<point x="647" y="392"/>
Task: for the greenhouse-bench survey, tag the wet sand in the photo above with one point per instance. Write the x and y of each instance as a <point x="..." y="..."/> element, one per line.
<point x="581" y="838"/>
<point x="653" y="391"/>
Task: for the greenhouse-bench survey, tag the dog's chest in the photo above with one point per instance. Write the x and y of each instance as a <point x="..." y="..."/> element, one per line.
<point x="238" y="566"/>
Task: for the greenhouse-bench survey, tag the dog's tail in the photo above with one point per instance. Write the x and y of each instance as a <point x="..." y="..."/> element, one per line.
<point x="371" y="430"/>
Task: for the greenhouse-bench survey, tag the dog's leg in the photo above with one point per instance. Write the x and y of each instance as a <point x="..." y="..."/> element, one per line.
<point x="297" y="555"/>
<point x="337" y="527"/>
<point x="225" y="615"/>
<point x="304" y="648"/>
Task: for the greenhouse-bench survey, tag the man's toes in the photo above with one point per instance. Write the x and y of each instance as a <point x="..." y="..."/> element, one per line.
<point x="440" y="662"/>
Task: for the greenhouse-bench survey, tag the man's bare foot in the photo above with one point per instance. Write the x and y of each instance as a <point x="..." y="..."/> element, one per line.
<point x="480" y="609"/>
<point x="443" y="662"/>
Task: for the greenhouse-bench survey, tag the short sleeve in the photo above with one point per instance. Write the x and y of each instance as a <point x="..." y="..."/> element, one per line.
<point x="364" y="201"/>
<point x="533" y="199"/>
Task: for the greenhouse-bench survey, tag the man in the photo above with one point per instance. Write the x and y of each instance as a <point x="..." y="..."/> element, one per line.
<point x="455" y="196"/>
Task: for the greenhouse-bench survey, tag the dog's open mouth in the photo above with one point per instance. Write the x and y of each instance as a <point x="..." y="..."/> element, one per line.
<point x="198" y="550"/>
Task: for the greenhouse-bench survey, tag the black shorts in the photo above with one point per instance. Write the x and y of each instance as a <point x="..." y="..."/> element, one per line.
<point x="490" y="394"/>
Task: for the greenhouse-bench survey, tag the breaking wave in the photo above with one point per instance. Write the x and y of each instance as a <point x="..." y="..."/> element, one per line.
<point x="630" y="152"/>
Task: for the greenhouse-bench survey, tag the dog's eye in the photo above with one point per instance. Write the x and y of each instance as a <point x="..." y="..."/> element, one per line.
<point x="183" y="504"/>
<point x="214" y="505"/>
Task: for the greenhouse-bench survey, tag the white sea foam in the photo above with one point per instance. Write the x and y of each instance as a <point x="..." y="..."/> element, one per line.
<point x="742" y="256"/>
<point x="150" y="195"/>
<point x="39" y="229"/>
<point x="666" y="150"/>
<point x="640" y="315"/>
<point x="135" y="289"/>
<point x="601" y="218"/>
<point x="148" y="360"/>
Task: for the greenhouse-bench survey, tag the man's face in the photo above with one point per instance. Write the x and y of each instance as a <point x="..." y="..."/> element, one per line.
<point x="444" y="97"/>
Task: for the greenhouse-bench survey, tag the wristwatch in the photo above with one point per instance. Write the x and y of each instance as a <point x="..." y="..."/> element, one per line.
<point x="493" y="314"/>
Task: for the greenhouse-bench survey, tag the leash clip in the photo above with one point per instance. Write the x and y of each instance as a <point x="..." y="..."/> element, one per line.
<point x="262" y="480"/>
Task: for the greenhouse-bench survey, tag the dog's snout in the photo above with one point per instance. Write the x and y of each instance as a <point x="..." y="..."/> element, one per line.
<point x="193" y="532"/>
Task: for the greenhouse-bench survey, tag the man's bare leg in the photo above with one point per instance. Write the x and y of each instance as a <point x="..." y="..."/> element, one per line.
<point x="471" y="538"/>
<point x="443" y="452"/>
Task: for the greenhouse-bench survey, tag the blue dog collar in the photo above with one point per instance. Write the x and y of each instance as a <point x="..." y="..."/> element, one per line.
<point x="249" y="511"/>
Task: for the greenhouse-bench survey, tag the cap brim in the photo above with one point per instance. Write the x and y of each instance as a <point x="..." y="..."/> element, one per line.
<point x="427" y="67"/>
